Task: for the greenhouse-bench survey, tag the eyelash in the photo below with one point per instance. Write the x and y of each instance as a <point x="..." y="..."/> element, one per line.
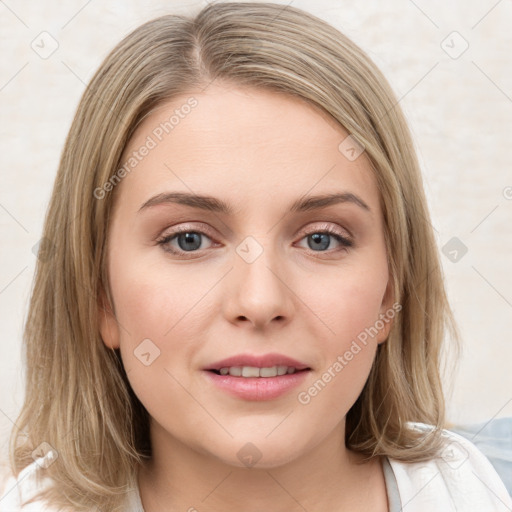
<point x="345" y="242"/>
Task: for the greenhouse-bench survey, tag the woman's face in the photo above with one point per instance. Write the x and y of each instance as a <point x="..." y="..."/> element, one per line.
<point x="258" y="280"/>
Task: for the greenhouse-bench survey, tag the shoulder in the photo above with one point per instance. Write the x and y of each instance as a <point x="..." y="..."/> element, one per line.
<point x="460" y="478"/>
<point x="16" y="491"/>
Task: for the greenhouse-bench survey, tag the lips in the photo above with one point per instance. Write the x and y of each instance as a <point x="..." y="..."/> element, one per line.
<point x="256" y="377"/>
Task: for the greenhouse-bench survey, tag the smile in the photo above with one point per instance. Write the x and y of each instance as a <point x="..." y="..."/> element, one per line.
<point x="253" y="371"/>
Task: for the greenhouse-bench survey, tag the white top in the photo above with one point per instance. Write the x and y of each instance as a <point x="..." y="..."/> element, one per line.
<point x="461" y="479"/>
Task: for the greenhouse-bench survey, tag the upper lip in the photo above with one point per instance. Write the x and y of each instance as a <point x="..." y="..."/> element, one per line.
<point x="261" y="361"/>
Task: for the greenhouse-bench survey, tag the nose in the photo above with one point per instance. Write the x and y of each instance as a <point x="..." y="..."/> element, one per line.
<point x="257" y="292"/>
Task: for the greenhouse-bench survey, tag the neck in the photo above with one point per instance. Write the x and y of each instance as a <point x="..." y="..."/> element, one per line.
<point x="327" y="477"/>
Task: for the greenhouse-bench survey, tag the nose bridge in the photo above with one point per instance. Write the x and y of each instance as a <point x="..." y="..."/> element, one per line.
<point x="259" y="293"/>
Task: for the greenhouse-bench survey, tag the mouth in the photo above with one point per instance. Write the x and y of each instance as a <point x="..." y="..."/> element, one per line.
<point x="257" y="378"/>
<point x="256" y="372"/>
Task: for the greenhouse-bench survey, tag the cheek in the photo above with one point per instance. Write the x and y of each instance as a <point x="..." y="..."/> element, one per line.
<point x="347" y="353"/>
<point x="348" y="304"/>
<point x="348" y="307"/>
<point x="148" y="302"/>
<point x="161" y="324"/>
<point x="153" y="340"/>
<point x="145" y="310"/>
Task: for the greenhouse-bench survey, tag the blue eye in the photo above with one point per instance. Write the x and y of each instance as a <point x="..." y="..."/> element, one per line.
<point x="189" y="241"/>
<point x="321" y="240"/>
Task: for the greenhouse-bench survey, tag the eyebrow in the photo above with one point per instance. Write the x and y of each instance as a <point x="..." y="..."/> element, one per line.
<point x="213" y="204"/>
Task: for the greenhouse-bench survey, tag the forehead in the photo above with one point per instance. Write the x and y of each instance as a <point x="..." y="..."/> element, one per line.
<point x="243" y="144"/>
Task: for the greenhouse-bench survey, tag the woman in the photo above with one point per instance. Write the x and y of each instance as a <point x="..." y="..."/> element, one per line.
<point x="244" y="306"/>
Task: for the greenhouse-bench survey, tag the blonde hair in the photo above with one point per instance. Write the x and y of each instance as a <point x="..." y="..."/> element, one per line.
<point x="78" y="398"/>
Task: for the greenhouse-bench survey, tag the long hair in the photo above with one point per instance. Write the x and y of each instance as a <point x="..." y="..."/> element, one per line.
<point x="77" y="396"/>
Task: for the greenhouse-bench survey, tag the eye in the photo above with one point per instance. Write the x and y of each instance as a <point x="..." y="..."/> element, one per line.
<point x="321" y="239"/>
<point x="188" y="241"/>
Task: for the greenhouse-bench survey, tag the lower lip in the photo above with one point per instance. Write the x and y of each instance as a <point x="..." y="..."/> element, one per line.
<point x="257" y="388"/>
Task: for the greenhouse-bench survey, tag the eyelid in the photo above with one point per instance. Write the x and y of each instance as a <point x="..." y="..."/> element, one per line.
<point x="204" y="229"/>
<point x="187" y="226"/>
<point x="330" y="227"/>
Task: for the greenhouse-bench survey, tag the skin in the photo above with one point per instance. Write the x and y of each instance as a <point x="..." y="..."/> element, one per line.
<point x="259" y="151"/>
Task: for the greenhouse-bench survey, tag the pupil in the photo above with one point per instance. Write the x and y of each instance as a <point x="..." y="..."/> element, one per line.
<point x="189" y="238"/>
<point x="317" y="238"/>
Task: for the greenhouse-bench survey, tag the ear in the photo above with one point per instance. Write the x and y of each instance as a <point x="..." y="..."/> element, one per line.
<point x="108" y="326"/>
<point x="386" y="313"/>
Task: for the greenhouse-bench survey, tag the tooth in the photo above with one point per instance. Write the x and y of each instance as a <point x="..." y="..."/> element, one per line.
<point x="268" y="372"/>
<point x="250" y="371"/>
<point x="281" y="370"/>
<point x="253" y="371"/>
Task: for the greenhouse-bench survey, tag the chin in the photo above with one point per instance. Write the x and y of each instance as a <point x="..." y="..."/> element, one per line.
<point x="258" y="454"/>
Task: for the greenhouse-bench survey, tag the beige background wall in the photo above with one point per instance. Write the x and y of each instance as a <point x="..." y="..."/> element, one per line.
<point x="458" y="101"/>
